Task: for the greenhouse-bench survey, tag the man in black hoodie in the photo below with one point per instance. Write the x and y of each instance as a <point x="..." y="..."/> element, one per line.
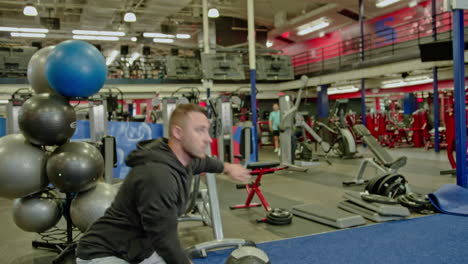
<point x="141" y="224"/>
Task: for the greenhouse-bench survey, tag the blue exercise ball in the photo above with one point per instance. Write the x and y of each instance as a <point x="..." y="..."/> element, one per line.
<point x="75" y="68"/>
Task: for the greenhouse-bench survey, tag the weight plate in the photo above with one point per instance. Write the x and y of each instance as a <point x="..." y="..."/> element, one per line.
<point x="426" y="212"/>
<point x="375" y="198"/>
<point x="371" y="183"/>
<point x="285" y="221"/>
<point x="279" y="213"/>
<point x="418" y="198"/>
<point x="409" y="204"/>
<point x="276" y="218"/>
<point x="387" y="181"/>
<point x="376" y="184"/>
<point x="395" y="189"/>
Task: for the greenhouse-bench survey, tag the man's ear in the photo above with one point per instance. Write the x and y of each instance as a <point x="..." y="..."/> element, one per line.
<point x="176" y="132"/>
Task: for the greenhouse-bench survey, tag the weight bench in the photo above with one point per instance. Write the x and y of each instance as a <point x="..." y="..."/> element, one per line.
<point x="382" y="159"/>
<point x="258" y="169"/>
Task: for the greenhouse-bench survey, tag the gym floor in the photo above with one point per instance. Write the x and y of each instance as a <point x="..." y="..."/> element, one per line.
<point x="322" y="184"/>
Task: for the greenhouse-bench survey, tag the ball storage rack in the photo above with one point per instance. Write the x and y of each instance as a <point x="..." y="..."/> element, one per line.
<point x="62" y="241"/>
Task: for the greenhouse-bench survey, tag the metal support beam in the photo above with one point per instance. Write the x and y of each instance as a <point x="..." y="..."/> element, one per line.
<point x="435" y="84"/>
<point x="459" y="94"/>
<point x="253" y="89"/>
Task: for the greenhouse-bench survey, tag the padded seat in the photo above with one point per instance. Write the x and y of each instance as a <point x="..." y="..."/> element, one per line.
<point x="262" y="165"/>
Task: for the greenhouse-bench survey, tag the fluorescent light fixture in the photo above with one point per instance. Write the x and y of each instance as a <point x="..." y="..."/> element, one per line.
<point x="30" y="10"/>
<point x="342" y="89"/>
<point x="86" y="37"/>
<point x="99" y="33"/>
<point x="3" y="101"/>
<point x="157" y="35"/>
<point x="269" y="44"/>
<point x="413" y="3"/>
<point x="315" y="25"/>
<point x="28" y="35"/>
<point x="406" y="82"/>
<point x="213" y="13"/>
<point x="32" y="30"/>
<point x="129" y="17"/>
<point x="133" y="39"/>
<point x="183" y="36"/>
<point x="384" y="3"/>
<point x="163" y="40"/>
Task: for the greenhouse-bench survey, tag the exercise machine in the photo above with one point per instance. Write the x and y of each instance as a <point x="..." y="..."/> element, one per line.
<point x="210" y="203"/>
<point x="342" y="141"/>
<point x="13" y="107"/>
<point x="290" y="118"/>
<point x="382" y="160"/>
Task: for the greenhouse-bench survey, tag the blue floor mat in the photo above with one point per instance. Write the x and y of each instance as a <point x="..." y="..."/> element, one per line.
<point x="451" y="199"/>
<point x="430" y="239"/>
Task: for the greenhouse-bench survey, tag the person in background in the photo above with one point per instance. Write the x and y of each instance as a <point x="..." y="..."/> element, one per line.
<point x="274" y="125"/>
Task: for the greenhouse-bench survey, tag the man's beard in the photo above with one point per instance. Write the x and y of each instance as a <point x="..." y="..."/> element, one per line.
<point x="192" y="153"/>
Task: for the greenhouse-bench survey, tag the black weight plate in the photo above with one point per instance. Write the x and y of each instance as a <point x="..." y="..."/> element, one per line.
<point x="395" y="189"/>
<point x="279" y="213"/>
<point x="409" y="204"/>
<point x="426" y="212"/>
<point x="418" y="198"/>
<point x="430" y="207"/>
<point x="387" y="181"/>
<point x="286" y="221"/>
<point x="375" y="198"/>
<point x="376" y="184"/>
<point x="371" y="183"/>
<point x="282" y="218"/>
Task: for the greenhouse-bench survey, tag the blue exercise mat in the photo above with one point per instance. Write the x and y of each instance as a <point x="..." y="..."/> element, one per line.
<point x="431" y="239"/>
<point x="451" y="199"/>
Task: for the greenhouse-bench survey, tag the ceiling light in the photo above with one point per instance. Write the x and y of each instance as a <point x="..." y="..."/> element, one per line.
<point x="163" y="40"/>
<point x="157" y="35"/>
<point x="183" y="36"/>
<point x="129" y="17"/>
<point x="342" y="89"/>
<point x="406" y="82"/>
<point x="33" y="30"/>
<point x="384" y="3"/>
<point x="28" y="35"/>
<point x="134" y="39"/>
<point x="413" y="3"/>
<point x="315" y="25"/>
<point x="85" y="37"/>
<point x="99" y="33"/>
<point x="213" y="13"/>
<point x="269" y="44"/>
<point x="30" y="10"/>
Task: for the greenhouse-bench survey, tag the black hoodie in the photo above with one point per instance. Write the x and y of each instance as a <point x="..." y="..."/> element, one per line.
<point x="143" y="217"/>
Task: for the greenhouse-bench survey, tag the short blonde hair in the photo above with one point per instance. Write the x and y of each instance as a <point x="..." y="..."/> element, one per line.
<point x="178" y="116"/>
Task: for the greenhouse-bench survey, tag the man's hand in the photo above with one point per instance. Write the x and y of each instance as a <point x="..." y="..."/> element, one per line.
<point x="237" y="172"/>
